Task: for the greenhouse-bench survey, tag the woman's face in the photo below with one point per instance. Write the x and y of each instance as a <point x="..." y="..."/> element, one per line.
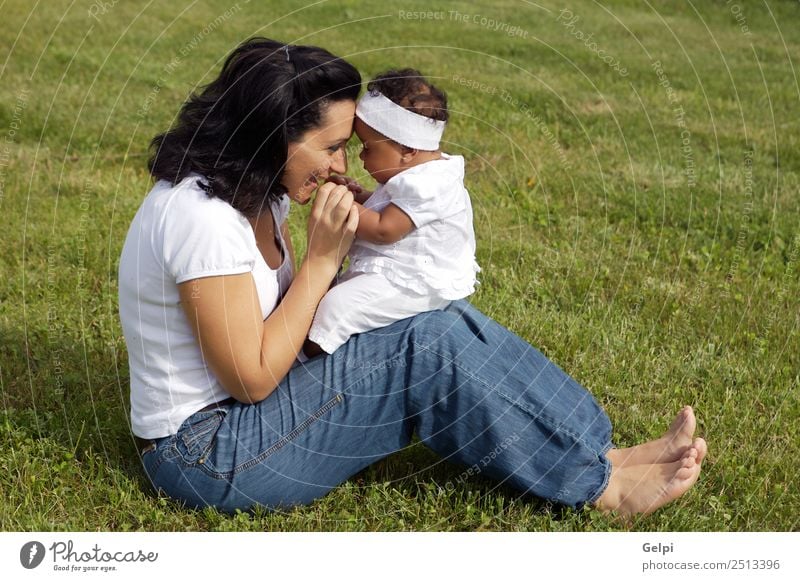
<point x="320" y="152"/>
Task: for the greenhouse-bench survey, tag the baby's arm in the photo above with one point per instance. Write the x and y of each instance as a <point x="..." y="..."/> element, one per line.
<point x="362" y="196"/>
<point x="385" y="227"/>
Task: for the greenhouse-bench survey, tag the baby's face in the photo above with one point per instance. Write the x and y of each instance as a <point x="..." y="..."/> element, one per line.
<point x="382" y="157"/>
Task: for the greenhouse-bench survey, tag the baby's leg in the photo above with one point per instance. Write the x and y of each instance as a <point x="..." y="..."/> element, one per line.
<point x="362" y="302"/>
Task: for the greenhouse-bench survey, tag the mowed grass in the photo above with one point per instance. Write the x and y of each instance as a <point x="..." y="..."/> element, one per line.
<point x="657" y="264"/>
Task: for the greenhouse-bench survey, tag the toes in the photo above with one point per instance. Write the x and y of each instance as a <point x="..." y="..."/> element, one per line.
<point x="690" y="419"/>
<point x="687" y="472"/>
<point x="683" y="424"/>
<point x="680" y="419"/>
<point x="689" y="468"/>
<point x="700" y="445"/>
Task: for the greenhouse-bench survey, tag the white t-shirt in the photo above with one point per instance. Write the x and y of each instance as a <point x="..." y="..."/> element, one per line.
<point x="438" y="256"/>
<point x="181" y="234"/>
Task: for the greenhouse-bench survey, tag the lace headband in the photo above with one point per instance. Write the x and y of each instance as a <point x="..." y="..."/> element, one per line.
<point x="398" y="123"/>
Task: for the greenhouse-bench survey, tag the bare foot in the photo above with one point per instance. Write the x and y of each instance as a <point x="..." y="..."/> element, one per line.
<point x="702" y="448"/>
<point x="668" y="448"/>
<point x="644" y="488"/>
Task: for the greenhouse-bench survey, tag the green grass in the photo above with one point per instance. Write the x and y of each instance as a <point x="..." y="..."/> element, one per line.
<point x="594" y="246"/>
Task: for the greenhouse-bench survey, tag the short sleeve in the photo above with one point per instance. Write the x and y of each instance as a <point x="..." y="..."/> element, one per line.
<point x="205" y="237"/>
<point x="423" y="197"/>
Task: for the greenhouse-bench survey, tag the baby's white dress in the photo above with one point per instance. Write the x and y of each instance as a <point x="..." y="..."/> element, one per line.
<point x="431" y="266"/>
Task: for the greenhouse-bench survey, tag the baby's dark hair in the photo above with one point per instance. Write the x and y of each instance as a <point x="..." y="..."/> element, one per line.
<point x="409" y="89"/>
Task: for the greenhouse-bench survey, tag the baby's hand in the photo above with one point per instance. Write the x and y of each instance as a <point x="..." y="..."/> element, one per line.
<point x="360" y="193"/>
<point x="351" y="184"/>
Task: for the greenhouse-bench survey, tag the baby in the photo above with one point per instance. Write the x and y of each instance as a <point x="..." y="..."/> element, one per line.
<point x="415" y="246"/>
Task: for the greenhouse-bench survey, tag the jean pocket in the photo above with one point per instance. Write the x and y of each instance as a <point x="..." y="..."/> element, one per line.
<point x="294" y="433"/>
<point x="195" y="438"/>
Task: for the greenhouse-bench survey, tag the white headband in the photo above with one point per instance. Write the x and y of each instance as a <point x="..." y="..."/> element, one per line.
<point x="398" y="123"/>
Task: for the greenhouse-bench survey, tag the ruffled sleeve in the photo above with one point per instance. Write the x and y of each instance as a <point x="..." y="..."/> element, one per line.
<point x="421" y="197"/>
<point x="205" y="237"/>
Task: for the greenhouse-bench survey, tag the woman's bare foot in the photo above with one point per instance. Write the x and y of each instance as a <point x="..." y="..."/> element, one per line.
<point x="643" y="488"/>
<point x="668" y="448"/>
<point x="702" y="448"/>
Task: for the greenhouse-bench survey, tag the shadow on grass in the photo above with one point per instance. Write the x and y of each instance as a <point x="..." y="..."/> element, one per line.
<point x="416" y="470"/>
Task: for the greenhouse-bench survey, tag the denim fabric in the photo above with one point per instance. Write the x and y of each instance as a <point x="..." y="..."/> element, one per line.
<point x="473" y="391"/>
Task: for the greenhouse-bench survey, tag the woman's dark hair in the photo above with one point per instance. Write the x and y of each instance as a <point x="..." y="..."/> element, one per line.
<point x="236" y="131"/>
<point x="409" y="89"/>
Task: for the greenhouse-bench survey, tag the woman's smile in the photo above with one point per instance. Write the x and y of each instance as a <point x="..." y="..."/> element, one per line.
<point x="310" y="184"/>
<point x="306" y="190"/>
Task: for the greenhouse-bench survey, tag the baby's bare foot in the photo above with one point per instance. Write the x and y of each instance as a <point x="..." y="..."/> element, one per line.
<point x="643" y="488"/>
<point x="668" y="448"/>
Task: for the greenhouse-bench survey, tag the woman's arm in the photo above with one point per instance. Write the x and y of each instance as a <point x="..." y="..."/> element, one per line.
<point x="384" y="227"/>
<point x="248" y="355"/>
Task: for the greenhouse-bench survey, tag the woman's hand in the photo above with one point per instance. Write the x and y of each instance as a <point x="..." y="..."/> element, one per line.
<point x="360" y="193"/>
<point x="331" y="227"/>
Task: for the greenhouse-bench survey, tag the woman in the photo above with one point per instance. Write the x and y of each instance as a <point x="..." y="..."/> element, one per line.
<point x="214" y="317"/>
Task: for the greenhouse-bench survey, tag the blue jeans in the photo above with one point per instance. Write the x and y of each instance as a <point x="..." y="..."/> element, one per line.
<point x="473" y="392"/>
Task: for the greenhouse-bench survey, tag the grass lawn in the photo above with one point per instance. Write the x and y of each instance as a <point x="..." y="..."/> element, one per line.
<point x="634" y="169"/>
